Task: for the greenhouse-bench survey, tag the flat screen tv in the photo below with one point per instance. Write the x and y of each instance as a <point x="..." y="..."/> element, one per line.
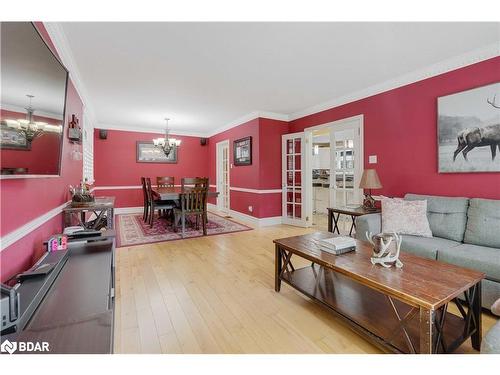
<point x="32" y="104"/>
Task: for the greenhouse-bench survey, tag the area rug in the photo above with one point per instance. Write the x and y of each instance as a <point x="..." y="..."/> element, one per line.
<point x="133" y="231"/>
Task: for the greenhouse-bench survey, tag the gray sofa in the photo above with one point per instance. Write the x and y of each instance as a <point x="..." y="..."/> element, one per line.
<point x="466" y="232"/>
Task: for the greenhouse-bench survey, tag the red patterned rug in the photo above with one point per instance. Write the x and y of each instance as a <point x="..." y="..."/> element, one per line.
<point x="133" y="231"/>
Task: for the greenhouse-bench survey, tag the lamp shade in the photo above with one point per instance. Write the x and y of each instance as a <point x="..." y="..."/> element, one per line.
<point x="370" y="180"/>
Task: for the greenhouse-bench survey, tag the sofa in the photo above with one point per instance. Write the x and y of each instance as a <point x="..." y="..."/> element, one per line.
<point x="466" y="232"/>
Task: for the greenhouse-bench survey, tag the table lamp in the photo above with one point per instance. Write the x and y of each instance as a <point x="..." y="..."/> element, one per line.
<point x="369" y="181"/>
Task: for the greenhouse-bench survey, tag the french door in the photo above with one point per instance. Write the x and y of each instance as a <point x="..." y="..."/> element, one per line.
<point x="223" y="199"/>
<point x="293" y="162"/>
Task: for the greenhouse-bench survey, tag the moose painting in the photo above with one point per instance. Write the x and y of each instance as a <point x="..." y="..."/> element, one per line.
<point x="469" y="130"/>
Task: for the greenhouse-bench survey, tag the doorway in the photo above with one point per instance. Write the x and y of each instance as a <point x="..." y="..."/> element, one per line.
<point x="334" y="156"/>
<point x="222" y="160"/>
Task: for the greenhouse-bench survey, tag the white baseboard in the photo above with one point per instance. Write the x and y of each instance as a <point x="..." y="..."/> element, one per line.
<point x="129" y="210"/>
<point x="253" y="221"/>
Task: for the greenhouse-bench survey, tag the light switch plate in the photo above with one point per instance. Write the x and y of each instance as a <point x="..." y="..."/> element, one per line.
<point x="372" y="159"/>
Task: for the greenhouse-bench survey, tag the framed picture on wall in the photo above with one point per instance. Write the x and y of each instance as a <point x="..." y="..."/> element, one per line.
<point x="469" y="131"/>
<point x="148" y="153"/>
<point x="242" y="151"/>
<point x="13" y="139"/>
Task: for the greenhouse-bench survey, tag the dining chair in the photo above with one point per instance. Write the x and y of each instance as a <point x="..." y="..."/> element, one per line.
<point x="165" y="181"/>
<point x="145" y="197"/>
<point x="196" y="182"/>
<point x="193" y="203"/>
<point x="155" y="204"/>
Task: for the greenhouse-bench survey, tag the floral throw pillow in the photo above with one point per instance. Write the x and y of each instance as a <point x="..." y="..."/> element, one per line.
<point x="405" y="217"/>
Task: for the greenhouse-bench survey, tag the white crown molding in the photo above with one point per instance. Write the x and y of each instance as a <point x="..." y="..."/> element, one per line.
<point x="152" y="130"/>
<point x="58" y="38"/>
<point x="249" y="117"/>
<point x="457" y="62"/>
<point x="16" y="235"/>
<point x="16" y="108"/>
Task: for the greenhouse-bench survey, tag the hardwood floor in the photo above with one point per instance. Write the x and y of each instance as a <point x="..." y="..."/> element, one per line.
<point x="216" y="295"/>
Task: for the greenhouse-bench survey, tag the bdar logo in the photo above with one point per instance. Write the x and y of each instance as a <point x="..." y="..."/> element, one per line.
<point x="8" y="347"/>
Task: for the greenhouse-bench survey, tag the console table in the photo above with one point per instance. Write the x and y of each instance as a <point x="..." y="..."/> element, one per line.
<point x="75" y="314"/>
<point x="400" y="310"/>
<point x="103" y="208"/>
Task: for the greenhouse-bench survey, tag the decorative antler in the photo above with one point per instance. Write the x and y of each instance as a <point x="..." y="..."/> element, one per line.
<point x="493" y="102"/>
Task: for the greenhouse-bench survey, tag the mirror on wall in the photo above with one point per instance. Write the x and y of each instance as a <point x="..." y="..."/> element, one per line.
<point x="32" y="103"/>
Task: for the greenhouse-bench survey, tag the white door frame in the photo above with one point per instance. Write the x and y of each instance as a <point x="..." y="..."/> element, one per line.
<point x="342" y="124"/>
<point x="220" y="188"/>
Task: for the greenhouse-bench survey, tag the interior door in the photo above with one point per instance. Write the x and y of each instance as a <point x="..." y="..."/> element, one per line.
<point x="293" y="183"/>
<point x="223" y="203"/>
<point x="346" y="164"/>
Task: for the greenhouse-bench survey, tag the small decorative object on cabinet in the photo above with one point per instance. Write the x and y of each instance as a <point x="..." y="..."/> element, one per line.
<point x="74" y="131"/>
<point x="369" y="181"/>
<point x="243" y="151"/>
<point x="386" y="247"/>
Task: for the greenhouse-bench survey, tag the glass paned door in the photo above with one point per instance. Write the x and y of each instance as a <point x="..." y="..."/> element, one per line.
<point x="293" y="183"/>
<point x="346" y="166"/>
<point x="223" y="203"/>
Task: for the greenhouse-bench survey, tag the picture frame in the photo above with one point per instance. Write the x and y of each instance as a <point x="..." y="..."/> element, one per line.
<point x="242" y="151"/>
<point x="146" y="152"/>
<point x="13" y="139"/>
<point x="468" y="130"/>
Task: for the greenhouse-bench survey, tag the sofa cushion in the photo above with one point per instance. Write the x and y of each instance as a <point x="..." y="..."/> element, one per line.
<point x="447" y="215"/>
<point x="426" y="247"/>
<point x="483" y="223"/>
<point x="480" y="258"/>
<point x="405" y="217"/>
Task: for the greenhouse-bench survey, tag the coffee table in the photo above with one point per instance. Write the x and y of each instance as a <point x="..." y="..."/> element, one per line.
<point x="400" y="310"/>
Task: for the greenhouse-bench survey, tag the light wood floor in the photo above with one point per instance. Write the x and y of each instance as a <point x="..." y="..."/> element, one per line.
<point x="216" y="295"/>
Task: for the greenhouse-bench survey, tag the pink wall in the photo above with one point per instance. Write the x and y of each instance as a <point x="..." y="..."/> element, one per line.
<point x="26" y="199"/>
<point x="263" y="174"/>
<point x="116" y="165"/>
<point x="400" y="128"/>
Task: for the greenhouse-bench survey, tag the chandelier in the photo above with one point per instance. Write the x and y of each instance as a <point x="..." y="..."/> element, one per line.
<point x="167" y="144"/>
<point x="30" y="128"/>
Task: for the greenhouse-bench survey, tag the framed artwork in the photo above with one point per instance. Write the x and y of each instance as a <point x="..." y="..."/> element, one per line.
<point x="13" y="139"/>
<point x="468" y="128"/>
<point x="148" y="153"/>
<point x="242" y="151"/>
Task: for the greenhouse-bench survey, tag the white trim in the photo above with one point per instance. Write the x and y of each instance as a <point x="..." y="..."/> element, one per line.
<point x="128" y="210"/>
<point x="18" y="176"/>
<point x="14" y="236"/>
<point x="153" y="130"/>
<point x="253" y="221"/>
<point x="245" y="190"/>
<point x="16" y="108"/>
<point x="457" y="62"/>
<point x="249" y="117"/>
<point x="256" y="191"/>
<point x="58" y="38"/>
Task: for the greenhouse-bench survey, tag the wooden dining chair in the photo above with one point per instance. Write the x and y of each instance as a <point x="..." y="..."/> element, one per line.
<point x="194" y="182"/>
<point x="165" y="181"/>
<point x="193" y="203"/>
<point x="155" y="204"/>
<point x="145" y="197"/>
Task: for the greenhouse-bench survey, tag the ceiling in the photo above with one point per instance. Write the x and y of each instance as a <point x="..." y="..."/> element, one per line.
<point x="206" y="75"/>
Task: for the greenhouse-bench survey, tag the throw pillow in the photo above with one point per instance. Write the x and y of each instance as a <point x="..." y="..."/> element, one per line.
<point x="405" y="217"/>
<point x="495" y="309"/>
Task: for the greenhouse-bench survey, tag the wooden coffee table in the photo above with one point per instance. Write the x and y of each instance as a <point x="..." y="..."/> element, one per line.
<point x="400" y="310"/>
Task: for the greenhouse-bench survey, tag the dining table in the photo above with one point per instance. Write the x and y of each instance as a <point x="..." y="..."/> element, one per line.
<point x="173" y="193"/>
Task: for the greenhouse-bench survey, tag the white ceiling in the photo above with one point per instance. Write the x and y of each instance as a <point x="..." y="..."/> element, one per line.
<point x="206" y="75"/>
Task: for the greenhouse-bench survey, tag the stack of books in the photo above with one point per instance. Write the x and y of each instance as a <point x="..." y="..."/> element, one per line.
<point x="337" y="245"/>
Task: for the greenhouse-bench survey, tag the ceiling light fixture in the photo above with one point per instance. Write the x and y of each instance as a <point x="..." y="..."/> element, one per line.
<point x="167" y="144"/>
